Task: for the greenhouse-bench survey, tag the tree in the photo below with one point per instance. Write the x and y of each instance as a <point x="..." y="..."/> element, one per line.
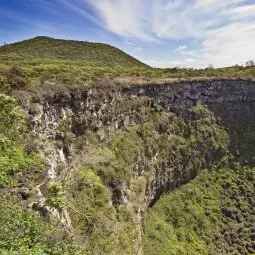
<point x="250" y="63"/>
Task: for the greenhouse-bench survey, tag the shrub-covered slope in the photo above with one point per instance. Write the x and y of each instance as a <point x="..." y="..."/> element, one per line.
<point x="50" y="48"/>
<point x="22" y="232"/>
<point x="25" y="233"/>
<point x="213" y="214"/>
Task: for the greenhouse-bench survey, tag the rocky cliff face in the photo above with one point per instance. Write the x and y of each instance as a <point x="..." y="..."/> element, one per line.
<point x="105" y="108"/>
<point x="60" y="119"/>
<point x="109" y="107"/>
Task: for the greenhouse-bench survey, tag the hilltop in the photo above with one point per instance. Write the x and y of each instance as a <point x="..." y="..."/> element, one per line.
<point x="50" y="48"/>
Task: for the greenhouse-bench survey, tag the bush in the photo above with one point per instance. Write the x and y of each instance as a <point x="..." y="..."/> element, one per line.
<point x="12" y="122"/>
<point x="13" y="158"/>
<point x="24" y="233"/>
<point x="56" y="196"/>
<point x="16" y="78"/>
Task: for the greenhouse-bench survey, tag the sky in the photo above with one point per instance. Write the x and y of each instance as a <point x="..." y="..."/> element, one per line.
<point x="161" y="33"/>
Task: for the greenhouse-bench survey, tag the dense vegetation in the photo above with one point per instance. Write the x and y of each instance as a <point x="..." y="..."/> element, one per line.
<point x="53" y="49"/>
<point x="214" y="214"/>
<point x="13" y="157"/>
<point x="46" y="60"/>
<point x="25" y="233"/>
<point x="99" y="215"/>
<point x="242" y="131"/>
<point x="21" y="232"/>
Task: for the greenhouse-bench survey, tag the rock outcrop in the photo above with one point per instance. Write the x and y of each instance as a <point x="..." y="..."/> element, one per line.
<point x="105" y="108"/>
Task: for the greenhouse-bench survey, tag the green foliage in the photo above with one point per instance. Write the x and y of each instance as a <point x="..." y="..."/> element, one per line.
<point x="204" y="127"/>
<point x="13" y="158"/>
<point x="240" y="124"/>
<point x="190" y="145"/>
<point x="49" y="48"/>
<point x="181" y="145"/>
<point x="182" y="148"/>
<point x="91" y="212"/>
<point x="11" y="118"/>
<point x="4" y="87"/>
<point x="242" y="129"/>
<point x="55" y="196"/>
<point x="199" y="218"/>
<point x="125" y="148"/>
<point x="99" y="227"/>
<point x="24" y="233"/>
<point x="211" y="215"/>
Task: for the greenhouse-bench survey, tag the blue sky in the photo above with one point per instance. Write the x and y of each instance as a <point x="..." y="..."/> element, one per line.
<point x="162" y="33"/>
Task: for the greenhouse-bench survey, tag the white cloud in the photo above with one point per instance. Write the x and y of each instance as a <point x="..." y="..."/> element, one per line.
<point x="224" y="28"/>
<point x="78" y="7"/>
<point x="150" y="20"/>
<point x="167" y="63"/>
<point x="181" y="48"/>
<point x="230" y="45"/>
<point x="242" y="11"/>
<point x="138" y="49"/>
<point x="189" y="60"/>
<point x="124" y="18"/>
<point x="162" y="63"/>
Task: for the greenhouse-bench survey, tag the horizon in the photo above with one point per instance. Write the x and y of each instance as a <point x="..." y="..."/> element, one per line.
<point x="162" y="33"/>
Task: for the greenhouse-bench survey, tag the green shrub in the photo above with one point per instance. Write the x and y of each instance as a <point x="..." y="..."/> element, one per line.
<point x="55" y="196"/>
<point x="12" y="122"/>
<point x="24" y="233"/>
<point x="16" y="78"/>
<point x="92" y="214"/>
<point x="13" y="157"/>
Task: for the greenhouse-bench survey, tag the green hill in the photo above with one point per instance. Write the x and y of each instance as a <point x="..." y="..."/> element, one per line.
<point x="45" y="60"/>
<point x="50" y="48"/>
